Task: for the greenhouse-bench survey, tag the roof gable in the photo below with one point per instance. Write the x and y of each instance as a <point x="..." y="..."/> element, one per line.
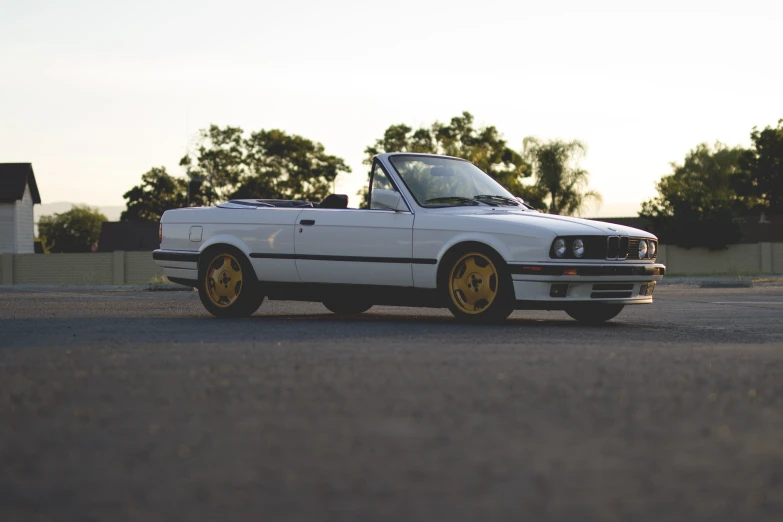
<point x="14" y="177"/>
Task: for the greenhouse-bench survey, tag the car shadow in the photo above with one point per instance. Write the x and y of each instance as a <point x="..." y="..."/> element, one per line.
<point x="370" y="317"/>
<point x="371" y="328"/>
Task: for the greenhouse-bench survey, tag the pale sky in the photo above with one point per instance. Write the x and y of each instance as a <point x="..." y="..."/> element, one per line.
<point x="94" y="93"/>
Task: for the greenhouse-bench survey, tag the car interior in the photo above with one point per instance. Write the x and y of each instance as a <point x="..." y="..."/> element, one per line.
<point x="330" y="201"/>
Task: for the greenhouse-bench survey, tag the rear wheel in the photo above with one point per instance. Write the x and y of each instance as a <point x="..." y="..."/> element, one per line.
<point x="346" y="306"/>
<point x="227" y="283"/>
<point x="478" y="285"/>
<point x="594" y="314"/>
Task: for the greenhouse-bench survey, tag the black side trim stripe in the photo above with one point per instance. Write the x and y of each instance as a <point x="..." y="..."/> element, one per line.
<point x="350" y="259"/>
<point x="163" y="255"/>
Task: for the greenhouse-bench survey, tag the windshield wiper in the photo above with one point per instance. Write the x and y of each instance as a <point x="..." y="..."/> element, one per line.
<point x="459" y="199"/>
<point x="491" y="197"/>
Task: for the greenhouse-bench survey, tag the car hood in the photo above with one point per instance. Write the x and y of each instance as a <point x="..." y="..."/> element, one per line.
<point x="559" y="225"/>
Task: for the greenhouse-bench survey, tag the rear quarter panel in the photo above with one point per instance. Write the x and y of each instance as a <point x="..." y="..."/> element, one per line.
<point x="256" y="230"/>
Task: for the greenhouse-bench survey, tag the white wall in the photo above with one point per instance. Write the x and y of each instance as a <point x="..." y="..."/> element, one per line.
<point x="7" y="231"/>
<point x="24" y="224"/>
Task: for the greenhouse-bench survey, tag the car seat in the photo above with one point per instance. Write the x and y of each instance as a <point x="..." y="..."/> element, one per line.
<point x="334" y="201"/>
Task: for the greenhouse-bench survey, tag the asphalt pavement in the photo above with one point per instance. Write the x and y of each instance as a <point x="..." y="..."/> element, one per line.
<point x="140" y="406"/>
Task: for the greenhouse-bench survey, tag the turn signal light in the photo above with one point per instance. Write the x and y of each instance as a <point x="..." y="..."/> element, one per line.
<point x="569" y="271"/>
<point x="160" y="233"/>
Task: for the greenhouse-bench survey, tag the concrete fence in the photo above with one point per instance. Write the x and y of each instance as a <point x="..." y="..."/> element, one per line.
<point x="117" y="268"/>
<point x="752" y="258"/>
<point x="111" y="268"/>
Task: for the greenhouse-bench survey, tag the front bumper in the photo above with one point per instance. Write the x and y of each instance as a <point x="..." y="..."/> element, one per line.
<point x="593" y="283"/>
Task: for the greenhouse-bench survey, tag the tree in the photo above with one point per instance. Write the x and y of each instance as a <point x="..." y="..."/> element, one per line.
<point x="76" y="230"/>
<point x="697" y="204"/>
<point x="266" y="165"/>
<point x="269" y="164"/>
<point x="221" y="160"/>
<point x="558" y="179"/>
<point x="760" y="180"/>
<point x="283" y="166"/>
<point x="483" y="146"/>
<point x="157" y="193"/>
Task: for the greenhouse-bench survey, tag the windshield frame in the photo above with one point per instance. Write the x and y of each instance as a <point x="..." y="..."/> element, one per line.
<point x="390" y="157"/>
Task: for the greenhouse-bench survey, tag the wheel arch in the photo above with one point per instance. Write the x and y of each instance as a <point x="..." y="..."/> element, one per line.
<point x="216" y="244"/>
<point x="458" y="246"/>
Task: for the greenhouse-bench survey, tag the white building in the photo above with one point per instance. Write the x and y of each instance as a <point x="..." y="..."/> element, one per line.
<point x="18" y="194"/>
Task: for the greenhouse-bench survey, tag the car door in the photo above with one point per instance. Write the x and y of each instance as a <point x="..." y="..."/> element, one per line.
<point x="357" y="246"/>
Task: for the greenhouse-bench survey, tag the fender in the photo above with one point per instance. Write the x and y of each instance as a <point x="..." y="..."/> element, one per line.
<point x="426" y="276"/>
<point x="487" y="239"/>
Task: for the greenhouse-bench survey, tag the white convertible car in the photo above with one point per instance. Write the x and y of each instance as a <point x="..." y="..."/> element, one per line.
<point x="438" y="232"/>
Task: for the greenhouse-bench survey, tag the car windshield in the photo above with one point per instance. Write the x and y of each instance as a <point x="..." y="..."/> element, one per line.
<point x="445" y="182"/>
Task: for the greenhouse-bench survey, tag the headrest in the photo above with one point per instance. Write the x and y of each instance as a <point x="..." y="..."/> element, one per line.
<point x="335" y="201"/>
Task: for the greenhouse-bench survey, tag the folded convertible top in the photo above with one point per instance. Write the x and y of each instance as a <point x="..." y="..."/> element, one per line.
<point x="259" y="203"/>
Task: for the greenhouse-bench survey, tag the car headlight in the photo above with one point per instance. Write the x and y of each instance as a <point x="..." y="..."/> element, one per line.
<point x="579" y="248"/>
<point x="653" y="249"/>
<point x="642" y="249"/>
<point x="560" y="247"/>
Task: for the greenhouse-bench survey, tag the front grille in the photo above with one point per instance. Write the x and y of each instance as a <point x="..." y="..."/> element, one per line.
<point x="622" y="251"/>
<point x="612" y="247"/>
<point x="633" y="248"/>
<point x="600" y="247"/>
<point x="623" y="247"/>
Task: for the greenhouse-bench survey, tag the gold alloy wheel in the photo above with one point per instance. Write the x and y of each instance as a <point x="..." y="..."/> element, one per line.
<point x="223" y="280"/>
<point x="473" y="283"/>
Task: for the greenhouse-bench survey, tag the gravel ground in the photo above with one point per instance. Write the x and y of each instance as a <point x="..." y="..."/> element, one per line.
<point x="138" y="406"/>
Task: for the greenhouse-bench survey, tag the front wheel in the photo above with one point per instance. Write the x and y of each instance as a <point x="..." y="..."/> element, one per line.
<point x="594" y="314"/>
<point x="478" y="285"/>
<point x="227" y="283"/>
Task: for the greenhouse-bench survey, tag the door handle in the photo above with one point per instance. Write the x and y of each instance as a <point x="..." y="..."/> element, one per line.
<point x="307" y="222"/>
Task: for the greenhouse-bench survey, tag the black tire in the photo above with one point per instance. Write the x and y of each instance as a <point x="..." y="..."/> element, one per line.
<point x="594" y="313"/>
<point x="246" y="292"/>
<point x="346" y="306"/>
<point x="500" y="285"/>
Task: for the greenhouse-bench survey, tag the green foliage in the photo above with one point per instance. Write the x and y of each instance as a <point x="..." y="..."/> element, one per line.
<point x="558" y="180"/>
<point x="483" y="146"/>
<point x="266" y="165"/>
<point x="286" y="166"/>
<point x="157" y="193"/>
<point x="760" y="180"/>
<point x="697" y="204"/>
<point x="220" y="160"/>
<point x="76" y="230"/>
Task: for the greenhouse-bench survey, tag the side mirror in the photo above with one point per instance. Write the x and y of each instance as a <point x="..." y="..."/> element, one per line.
<point x="388" y="200"/>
